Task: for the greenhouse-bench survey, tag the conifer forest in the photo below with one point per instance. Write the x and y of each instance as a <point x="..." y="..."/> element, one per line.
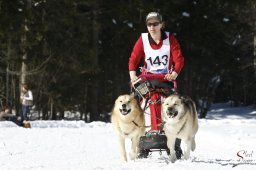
<point x="74" y="53"/>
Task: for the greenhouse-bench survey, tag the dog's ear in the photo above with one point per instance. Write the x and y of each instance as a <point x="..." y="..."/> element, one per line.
<point x="163" y="100"/>
<point x="185" y="99"/>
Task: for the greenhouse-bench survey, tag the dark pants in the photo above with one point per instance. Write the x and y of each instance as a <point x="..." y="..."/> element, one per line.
<point x="25" y="112"/>
<point x="16" y="121"/>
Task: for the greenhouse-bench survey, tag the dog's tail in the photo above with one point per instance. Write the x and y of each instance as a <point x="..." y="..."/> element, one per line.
<point x="193" y="144"/>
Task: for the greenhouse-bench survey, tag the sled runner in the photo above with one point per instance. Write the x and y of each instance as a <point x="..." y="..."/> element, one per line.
<point x="151" y="88"/>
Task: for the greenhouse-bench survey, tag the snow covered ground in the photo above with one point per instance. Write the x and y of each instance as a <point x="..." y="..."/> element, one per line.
<point x="225" y="140"/>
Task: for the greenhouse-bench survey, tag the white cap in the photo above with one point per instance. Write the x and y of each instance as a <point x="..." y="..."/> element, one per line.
<point x="155" y="15"/>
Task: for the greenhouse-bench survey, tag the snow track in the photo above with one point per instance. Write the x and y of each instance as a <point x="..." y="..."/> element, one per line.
<point x="75" y="145"/>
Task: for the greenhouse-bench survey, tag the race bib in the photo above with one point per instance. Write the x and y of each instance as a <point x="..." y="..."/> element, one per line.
<point x="157" y="60"/>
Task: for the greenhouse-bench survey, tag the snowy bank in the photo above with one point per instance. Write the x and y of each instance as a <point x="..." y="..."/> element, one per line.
<point x="225" y="140"/>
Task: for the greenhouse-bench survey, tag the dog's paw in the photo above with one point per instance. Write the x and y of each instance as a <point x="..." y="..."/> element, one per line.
<point x="173" y="158"/>
<point x="132" y="155"/>
<point x="124" y="158"/>
<point x="186" y="152"/>
<point x="186" y="155"/>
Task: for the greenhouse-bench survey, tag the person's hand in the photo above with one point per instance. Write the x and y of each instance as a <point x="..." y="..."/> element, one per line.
<point x="133" y="76"/>
<point x="171" y="76"/>
<point x="133" y="79"/>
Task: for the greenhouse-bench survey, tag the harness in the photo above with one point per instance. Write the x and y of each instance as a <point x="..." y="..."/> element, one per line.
<point x="145" y="89"/>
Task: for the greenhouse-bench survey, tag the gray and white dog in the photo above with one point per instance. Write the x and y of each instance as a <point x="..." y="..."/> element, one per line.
<point x="180" y="117"/>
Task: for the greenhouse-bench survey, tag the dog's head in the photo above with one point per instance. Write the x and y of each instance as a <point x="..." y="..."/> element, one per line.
<point x="125" y="104"/>
<point x="173" y="108"/>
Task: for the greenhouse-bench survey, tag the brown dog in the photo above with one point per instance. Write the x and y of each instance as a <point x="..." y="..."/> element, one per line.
<point x="128" y="121"/>
<point x="26" y="124"/>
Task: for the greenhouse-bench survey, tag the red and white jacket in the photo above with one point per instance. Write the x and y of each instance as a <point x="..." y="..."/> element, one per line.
<point x="175" y="62"/>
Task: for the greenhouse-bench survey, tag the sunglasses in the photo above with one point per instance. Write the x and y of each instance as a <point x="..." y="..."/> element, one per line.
<point x="153" y="24"/>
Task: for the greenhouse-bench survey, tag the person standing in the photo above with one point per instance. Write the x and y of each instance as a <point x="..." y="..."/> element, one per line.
<point x="26" y="101"/>
<point x="161" y="54"/>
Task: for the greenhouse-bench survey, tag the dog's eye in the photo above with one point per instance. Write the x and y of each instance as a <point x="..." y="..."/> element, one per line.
<point x="120" y="101"/>
<point x="175" y="104"/>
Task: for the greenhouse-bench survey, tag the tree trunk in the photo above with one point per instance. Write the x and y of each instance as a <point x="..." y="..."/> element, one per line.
<point x="45" y="113"/>
<point x="62" y="114"/>
<point x="83" y="108"/>
<point x="23" y="69"/>
<point x="24" y="50"/>
<point x="54" y="113"/>
<point x="94" y="79"/>
<point x="93" y="101"/>
<point x="254" y="37"/>
<point x="7" y="72"/>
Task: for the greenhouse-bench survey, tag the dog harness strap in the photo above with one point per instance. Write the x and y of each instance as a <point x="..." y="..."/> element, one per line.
<point x="146" y="102"/>
<point x="182" y="127"/>
<point x="136" y="124"/>
<point x="162" y="125"/>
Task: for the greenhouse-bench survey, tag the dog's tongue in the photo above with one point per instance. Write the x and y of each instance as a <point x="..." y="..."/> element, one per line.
<point x="125" y="110"/>
<point x="172" y="114"/>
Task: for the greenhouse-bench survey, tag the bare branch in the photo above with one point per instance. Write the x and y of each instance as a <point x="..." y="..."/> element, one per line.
<point x="31" y="72"/>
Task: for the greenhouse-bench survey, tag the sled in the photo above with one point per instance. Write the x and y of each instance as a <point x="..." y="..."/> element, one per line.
<point x="151" y="88"/>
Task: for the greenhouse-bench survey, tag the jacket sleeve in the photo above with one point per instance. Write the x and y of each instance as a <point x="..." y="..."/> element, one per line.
<point x="178" y="58"/>
<point x="6" y="115"/>
<point x="30" y="96"/>
<point x="136" y="55"/>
